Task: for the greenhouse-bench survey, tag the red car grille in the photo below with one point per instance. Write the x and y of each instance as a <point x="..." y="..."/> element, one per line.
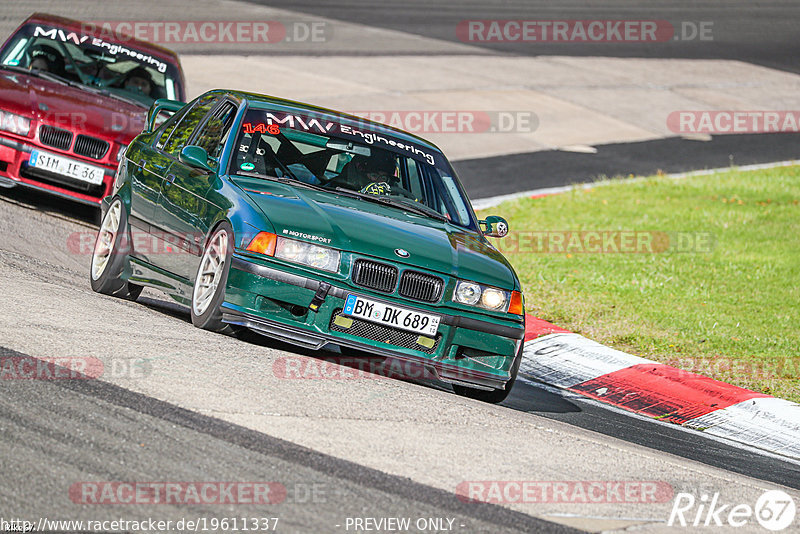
<point x="91" y="147"/>
<point x="55" y="137"/>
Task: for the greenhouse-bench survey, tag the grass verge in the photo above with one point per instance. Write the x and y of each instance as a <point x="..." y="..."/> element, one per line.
<point x="715" y="293"/>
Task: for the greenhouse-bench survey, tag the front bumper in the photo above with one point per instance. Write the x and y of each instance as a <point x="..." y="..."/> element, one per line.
<point x="14" y="171"/>
<point x="468" y="351"/>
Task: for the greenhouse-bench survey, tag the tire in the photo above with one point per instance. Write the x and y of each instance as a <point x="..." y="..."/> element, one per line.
<point x="494" y="396"/>
<point x="110" y="255"/>
<point x="212" y="277"/>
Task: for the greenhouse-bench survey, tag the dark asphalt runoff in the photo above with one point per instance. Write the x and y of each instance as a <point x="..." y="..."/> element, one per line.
<point x="764" y="33"/>
<point x="65" y="431"/>
<point x="487" y="177"/>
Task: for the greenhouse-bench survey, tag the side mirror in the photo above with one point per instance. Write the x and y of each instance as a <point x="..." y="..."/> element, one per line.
<point x="162" y="104"/>
<point x="494" y="226"/>
<point x="196" y="157"/>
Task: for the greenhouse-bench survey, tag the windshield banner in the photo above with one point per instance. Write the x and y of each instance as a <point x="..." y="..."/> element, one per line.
<point x="114" y="49"/>
<point x="359" y="131"/>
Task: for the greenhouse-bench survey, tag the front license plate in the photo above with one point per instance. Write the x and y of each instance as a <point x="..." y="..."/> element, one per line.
<point x="66" y="167"/>
<point x="391" y="315"/>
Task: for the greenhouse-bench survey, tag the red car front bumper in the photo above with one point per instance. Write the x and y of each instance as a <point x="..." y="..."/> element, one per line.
<point x="14" y="170"/>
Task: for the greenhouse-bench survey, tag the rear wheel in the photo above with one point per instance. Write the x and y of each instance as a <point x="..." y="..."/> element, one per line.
<point x="494" y="396"/>
<point x="110" y="255"/>
<point x="211" y="279"/>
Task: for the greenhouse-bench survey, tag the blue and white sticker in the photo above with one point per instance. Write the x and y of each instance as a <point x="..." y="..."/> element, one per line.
<point x="349" y="304"/>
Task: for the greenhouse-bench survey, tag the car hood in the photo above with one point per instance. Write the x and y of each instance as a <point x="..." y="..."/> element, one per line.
<point x="374" y="230"/>
<point x="73" y="108"/>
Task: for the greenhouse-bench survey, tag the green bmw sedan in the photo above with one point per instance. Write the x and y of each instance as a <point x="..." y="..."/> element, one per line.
<point x="315" y="228"/>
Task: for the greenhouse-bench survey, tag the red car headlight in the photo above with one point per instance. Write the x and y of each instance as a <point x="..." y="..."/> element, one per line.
<point x="11" y="122"/>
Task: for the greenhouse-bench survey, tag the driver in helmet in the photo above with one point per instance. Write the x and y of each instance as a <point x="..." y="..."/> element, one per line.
<point x="48" y="59"/>
<point x="380" y="171"/>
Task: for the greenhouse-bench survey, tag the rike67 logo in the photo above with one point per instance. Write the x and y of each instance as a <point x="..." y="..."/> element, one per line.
<point x="774" y="510"/>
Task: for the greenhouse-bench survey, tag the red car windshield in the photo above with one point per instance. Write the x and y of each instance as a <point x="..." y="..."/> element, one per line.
<point x="87" y="60"/>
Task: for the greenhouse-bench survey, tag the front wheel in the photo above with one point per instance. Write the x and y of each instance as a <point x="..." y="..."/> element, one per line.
<point x="211" y="279"/>
<point x="494" y="396"/>
<point x="110" y="255"/>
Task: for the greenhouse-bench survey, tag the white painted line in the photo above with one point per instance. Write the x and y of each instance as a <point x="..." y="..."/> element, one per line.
<point x="565" y="360"/>
<point x="490" y="202"/>
<point x="766" y="422"/>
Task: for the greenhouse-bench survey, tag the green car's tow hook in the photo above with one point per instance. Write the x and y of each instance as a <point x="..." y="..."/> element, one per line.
<point x="319" y="296"/>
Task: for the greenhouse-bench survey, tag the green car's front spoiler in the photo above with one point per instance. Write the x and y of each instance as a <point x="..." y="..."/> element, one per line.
<point x="313" y="339"/>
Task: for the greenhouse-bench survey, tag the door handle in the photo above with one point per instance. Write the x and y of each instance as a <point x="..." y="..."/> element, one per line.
<point x="170" y="178"/>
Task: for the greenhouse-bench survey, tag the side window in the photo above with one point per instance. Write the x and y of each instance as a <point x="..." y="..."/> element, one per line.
<point x="415" y="184"/>
<point x="167" y="127"/>
<point x="216" y="129"/>
<point x="183" y="131"/>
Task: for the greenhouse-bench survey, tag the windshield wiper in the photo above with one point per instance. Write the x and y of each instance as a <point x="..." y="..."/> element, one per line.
<point x="41" y="74"/>
<point x="418" y="209"/>
<point x="112" y="94"/>
<point x="45" y="75"/>
<point x="37" y="73"/>
<point x="284" y="180"/>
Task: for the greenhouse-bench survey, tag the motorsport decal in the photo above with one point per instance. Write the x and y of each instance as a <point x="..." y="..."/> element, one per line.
<point x="312" y="237"/>
<point x="362" y="134"/>
<point x="57" y="34"/>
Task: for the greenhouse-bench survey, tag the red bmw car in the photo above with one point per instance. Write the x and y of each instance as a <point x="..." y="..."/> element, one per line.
<point x="72" y="96"/>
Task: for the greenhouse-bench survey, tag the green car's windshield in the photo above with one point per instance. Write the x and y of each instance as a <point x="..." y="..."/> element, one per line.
<point x="343" y="157"/>
<point x="77" y="58"/>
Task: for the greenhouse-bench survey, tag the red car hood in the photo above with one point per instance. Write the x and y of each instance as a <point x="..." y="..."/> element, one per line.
<point x="72" y="108"/>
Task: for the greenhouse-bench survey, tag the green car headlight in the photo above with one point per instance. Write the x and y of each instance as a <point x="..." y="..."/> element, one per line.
<point x="467" y="293"/>
<point x="487" y="297"/>
<point x="493" y="299"/>
<point x="11" y="122"/>
<point x="323" y="258"/>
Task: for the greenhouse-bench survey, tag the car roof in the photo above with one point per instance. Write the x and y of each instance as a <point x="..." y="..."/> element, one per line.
<point x="258" y="101"/>
<point x="108" y="35"/>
